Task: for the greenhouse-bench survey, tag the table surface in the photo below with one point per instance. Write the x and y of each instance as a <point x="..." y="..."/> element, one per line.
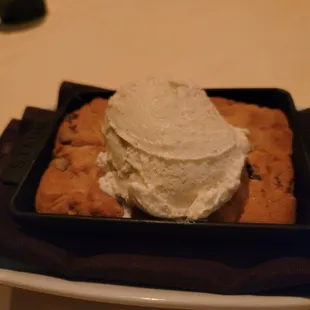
<point x="215" y="43"/>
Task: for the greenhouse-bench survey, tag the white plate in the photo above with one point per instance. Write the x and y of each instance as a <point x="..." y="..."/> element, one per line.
<point x="144" y="297"/>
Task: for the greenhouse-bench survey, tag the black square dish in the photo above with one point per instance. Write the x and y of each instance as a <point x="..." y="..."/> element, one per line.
<point x="34" y="156"/>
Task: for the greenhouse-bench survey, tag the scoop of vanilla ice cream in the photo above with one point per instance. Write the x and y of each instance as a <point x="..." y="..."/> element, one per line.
<point x="169" y="151"/>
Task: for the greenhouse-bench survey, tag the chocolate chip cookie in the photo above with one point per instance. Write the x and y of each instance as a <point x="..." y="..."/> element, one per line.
<point x="270" y="196"/>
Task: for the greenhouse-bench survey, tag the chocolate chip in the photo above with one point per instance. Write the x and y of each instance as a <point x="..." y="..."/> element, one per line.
<point x="278" y="182"/>
<point x="256" y="177"/>
<point x="252" y="173"/>
<point x="72" y="209"/>
<point x="66" y="142"/>
<point x="70" y="117"/>
<point x="291" y="186"/>
<point x="73" y="127"/>
<point x="249" y="169"/>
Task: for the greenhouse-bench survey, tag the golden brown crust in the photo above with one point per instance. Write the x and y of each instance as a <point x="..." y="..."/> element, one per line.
<point x="272" y="140"/>
<point x="83" y="127"/>
<point x="70" y="183"/>
<point x="250" y="116"/>
<point x="270" y="197"/>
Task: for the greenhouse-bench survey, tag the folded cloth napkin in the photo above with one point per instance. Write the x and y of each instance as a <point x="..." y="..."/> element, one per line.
<point x="204" y="265"/>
